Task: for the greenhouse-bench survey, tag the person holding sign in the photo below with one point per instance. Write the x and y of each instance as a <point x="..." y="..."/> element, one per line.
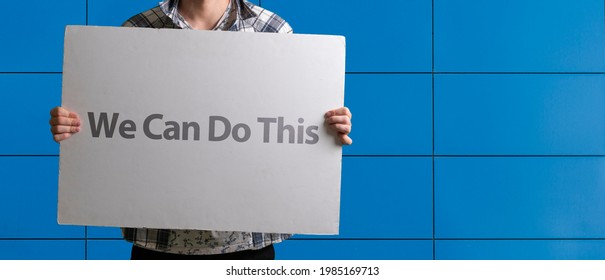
<point x="224" y="15"/>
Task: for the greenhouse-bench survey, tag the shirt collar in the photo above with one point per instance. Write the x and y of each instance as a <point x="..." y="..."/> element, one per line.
<point x="232" y="16"/>
<point x="243" y="11"/>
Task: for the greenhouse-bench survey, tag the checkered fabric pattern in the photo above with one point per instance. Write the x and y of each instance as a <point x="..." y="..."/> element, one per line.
<point x="241" y="16"/>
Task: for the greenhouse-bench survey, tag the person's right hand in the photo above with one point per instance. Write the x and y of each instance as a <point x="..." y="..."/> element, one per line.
<point x="63" y="123"/>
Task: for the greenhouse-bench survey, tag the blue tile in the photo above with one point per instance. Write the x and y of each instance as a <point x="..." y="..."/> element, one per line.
<point x="116" y="12"/>
<point x="385" y="198"/>
<point x="531" y="197"/>
<point x="28" y="199"/>
<point x="391" y="36"/>
<point x="520" y="114"/>
<point x="31" y="96"/>
<point x="38" y="45"/>
<point x="104" y="232"/>
<point x="354" y="250"/>
<point x="109" y="250"/>
<point x="520" y="249"/>
<point x="392" y="114"/>
<point x="42" y="249"/>
<point x="519" y="35"/>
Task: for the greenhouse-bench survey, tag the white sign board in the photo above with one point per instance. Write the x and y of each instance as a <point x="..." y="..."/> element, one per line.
<point x="205" y="130"/>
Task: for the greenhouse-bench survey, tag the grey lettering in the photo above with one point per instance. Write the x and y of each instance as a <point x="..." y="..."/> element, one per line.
<point x="226" y="123"/>
<point x="312" y="134"/>
<point x="146" y="129"/>
<point x="235" y="132"/>
<point x="196" y="130"/>
<point x="96" y="128"/>
<point x="127" y="126"/>
<point x="172" y="132"/>
<point x="281" y="128"/>
<point x="299" y="133"/>
<point x="266" y="127"/>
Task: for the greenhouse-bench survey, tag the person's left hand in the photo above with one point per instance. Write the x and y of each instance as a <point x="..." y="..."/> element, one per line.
<point x="340" y="120"/>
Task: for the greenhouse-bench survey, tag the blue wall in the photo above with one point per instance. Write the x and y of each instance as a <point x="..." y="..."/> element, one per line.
<point x="479" y="129"/>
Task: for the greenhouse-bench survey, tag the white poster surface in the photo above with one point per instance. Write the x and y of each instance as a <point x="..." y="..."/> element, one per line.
<point x="208" y="130"/>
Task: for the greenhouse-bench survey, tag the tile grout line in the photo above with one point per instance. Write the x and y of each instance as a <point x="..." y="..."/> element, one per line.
<point x="85" y="242"/>
<point x="475" y="73"/>
<point x="389" y="73"/>
<point x="394" y="156"/>
<point x="342" y="239"/>
<point x="451" y="239"/>
<point x="433" y="113"/>
<point x="30" y="73"/>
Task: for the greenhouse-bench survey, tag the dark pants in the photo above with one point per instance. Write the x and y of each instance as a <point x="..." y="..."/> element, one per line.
<point x="267" y="253"/>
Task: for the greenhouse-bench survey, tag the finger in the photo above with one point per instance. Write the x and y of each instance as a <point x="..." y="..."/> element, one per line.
<point x="59" y="112"/>
<point x="58" y="129"/>
<point x="339" y="119"/>
<point x="345" y="139"/>
<point x="342" y="128"/>
<point x="74" y="115"/>
<point x="64" y="121"/>
<point x="342" y="111"/>
<point x="60" y="137"/>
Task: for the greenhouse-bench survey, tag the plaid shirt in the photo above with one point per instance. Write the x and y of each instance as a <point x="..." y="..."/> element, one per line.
<point x="240" y="16"/>
<point x="170" y="8"/>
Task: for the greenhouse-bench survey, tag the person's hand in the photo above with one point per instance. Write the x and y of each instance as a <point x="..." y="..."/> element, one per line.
<point x="63" y="123"/>
<point x="340" y="120"/>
